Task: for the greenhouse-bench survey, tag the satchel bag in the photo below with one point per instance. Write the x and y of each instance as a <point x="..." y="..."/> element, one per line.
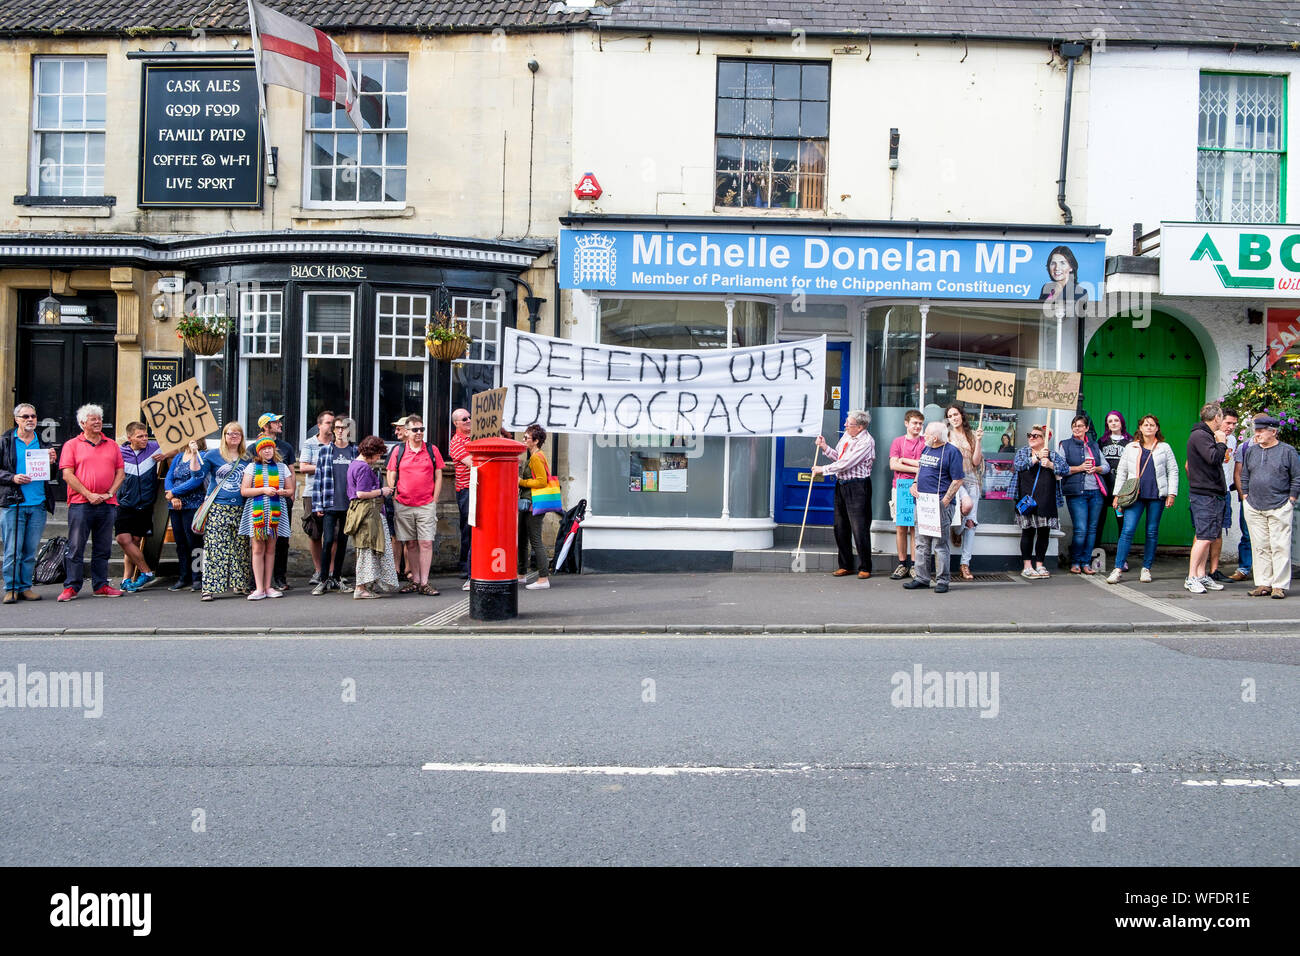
<point x="1028" y="503"/>
<point x="50" y="568"/>
<point x="547" y="500"/>
<point x="201" y="516"/>
<point x="1127" y="493"/>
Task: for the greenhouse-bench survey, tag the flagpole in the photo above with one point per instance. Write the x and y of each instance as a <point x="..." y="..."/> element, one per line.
<point x="261" y="88"/>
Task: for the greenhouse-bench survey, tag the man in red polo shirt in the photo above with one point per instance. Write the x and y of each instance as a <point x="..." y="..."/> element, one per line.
<point x="460" y="455"/>
<point x="415" y="475"/>
<point x="92" y="467"/>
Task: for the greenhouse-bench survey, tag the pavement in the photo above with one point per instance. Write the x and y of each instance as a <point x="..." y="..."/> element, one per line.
<point x="713" y="603"/>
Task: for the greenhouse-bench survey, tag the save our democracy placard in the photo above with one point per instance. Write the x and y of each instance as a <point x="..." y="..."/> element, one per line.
<point x="568" y="386"/>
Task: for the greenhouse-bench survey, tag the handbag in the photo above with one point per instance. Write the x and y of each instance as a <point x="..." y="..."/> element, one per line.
<point x="1028" y="503"/>
<point x="547" y="500"/>
<point x="1127" y="493"/>
<point x="49" y="568"/>
<point x="201" y="516"/>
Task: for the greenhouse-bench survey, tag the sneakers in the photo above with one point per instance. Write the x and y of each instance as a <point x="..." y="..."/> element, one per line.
<point x="1194" y="585"/>
<point x="1211" y="584"/>
<point x="107" y="590"/>
<point x="915" y="585"/>
<point x="463" y="587"/>
<point x="1114" y="576"/>
<point x="67" y="594"/>
<point x="257" y="596"/>
<point x="178" y="585"/>
<point x="900" y="572"/>
<point x="941" y="589"/>
<point x="1219" y="576"/>
<point x="543" y="586"/>
<point x="321" y="587"/>
<point x="314" y="579"/>
<point x="1145" y="576"/>
<point x="274" y="593"/>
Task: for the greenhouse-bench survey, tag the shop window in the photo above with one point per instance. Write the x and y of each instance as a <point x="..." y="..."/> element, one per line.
<point x="261" y="318"/>
<point x="402" y="361"/>
<point x="1241" y="148"/>
<point x="345" y="167"/>
<point x="68" y="126"/>
<point x="327" y="353"/>
<point x="628" y="471"/>
<point x="479" y="370"/>
<point x="1002" y="339"/>
<point x="773" y="119"/>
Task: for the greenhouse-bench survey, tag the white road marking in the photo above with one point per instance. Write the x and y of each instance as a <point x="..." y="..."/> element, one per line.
<point x="445" y="616"/>
<point x="1153" y="604"/>
<point x="1239" y="782"/>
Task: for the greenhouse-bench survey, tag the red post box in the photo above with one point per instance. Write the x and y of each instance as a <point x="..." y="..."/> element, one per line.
<point x="494" y="537"/>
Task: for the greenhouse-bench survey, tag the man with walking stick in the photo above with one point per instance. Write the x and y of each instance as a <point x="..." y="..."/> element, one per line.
<point x="850" y="463"/>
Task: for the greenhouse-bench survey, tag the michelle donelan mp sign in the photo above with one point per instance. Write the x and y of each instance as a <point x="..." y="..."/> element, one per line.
<point x="568" y="386"/>
<point x="939" y="268"/>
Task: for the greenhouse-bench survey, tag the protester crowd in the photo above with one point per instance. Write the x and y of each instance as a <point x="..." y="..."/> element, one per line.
<point x="230" y="507"/>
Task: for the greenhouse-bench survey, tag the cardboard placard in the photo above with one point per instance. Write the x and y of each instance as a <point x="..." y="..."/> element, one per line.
<point x="982" y="386"/>
<point x="178" y="416"/>
<point x="1045" y="388"/>
<point x="485" y="413"/>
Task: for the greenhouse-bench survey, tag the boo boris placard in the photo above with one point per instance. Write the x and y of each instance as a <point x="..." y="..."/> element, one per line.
<point x="568" y="386"/>
<point x="179" y="415"/>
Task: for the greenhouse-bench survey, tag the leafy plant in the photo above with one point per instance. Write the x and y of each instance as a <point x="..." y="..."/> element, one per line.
<point x="443" y="328"/>
<point x="195" y="324"/>
<point x="1276" y="392"/>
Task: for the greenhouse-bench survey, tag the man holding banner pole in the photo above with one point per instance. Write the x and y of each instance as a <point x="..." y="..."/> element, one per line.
<point x="851" y="463"/>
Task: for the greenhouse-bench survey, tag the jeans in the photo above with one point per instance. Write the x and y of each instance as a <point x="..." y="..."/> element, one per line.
<point x="1245" y="557"/>
<point x="853" y="522"/>
<point x="20" y="534"/>
<point x="95" y="522"/>
<point x="332" y="536"/>
<point x="1085" y="514"/>
<point x="462" y="505"/>
<point x="188" y="544"/>
<point x="1154" y="508"/>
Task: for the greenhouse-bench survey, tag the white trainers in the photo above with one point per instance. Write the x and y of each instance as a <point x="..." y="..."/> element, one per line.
<point x="1194" y="585"/>
<point x="1114" y="576"/>
<point x="1145" y="576"/>
<point x="1211" y="584"/>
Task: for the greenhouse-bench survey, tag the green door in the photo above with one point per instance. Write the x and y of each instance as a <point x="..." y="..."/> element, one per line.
<point x="1158" y="370"/>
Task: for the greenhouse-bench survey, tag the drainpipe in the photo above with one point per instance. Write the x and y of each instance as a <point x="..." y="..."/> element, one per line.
<point x="1071" y="52"/>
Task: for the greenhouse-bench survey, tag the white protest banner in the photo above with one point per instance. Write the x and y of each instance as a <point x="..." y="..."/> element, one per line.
<point x="179" y="415"/>
<point x="982" y="386"/>
<point x="928" y="515"/>
<point x="568" y="386"/>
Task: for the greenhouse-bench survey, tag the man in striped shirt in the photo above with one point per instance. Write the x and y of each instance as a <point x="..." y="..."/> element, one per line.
<point x="460" y="456"/>
<point x="850" y="463"/>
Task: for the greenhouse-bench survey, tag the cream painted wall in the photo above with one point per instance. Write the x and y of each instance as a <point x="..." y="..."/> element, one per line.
<point x="980" y="139"/>
<point x="1143" y="131"/>
<point x="465" y="92"/>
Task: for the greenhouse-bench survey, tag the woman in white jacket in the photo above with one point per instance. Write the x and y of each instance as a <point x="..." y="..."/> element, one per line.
<point x="1149" y="459"/>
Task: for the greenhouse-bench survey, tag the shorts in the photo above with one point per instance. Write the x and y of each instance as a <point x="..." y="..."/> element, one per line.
<point x="1207" y="516"/>
<point x="311" y="524"/>
<point x="137" y="522"/>
<point x="415" y="522"/>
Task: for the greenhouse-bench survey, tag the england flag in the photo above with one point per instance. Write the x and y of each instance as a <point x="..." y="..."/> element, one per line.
<point x="302" y="58"/>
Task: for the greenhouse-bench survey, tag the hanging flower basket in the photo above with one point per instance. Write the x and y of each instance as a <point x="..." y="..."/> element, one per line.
<point x="204" y="334"/>
<point x="447" y="339"/>
<point x="447" y="350"/>
<point x="206" y="343"/>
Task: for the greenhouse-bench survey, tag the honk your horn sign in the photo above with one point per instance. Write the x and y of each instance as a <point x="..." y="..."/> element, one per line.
<point x="570" y="386"/>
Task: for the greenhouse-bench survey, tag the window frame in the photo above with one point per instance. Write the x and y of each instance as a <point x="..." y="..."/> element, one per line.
<point x="798" y="176"/>
<point x="351" y="294"/>
<point x="340" y="124"/>
<point x="1225" y="151"/>
<point x="35" y="179"/>
<point x="421" y="355"/>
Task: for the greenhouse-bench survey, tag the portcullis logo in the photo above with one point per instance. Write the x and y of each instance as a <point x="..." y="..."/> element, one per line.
<point x="595" y="261"/>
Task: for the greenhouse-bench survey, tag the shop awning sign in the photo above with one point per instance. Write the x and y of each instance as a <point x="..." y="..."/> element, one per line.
<point x="1214" y="259"/>
<point x="569" y="386"/>
<point x="653" y="260"/>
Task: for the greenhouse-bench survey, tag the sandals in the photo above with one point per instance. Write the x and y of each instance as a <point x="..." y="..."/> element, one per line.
<point x="965" y="573"/>
<point x="1042" y="573"/>
<point x="208" y="597"/>
<point x="1075" y="569"/>
<point x="410" y="587"/>
<point x="428" y="589"/>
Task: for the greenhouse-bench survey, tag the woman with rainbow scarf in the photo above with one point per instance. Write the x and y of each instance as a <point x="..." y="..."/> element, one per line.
<point x="267" y="482"/>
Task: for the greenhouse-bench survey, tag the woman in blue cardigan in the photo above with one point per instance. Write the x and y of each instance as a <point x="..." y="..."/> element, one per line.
<point x="183" y="488"/>
<point x="227" y="565"/>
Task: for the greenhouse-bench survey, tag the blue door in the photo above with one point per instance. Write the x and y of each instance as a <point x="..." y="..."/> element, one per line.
<point x="794" y="455"/>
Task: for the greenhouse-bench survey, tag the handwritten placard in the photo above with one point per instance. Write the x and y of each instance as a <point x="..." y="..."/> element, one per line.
<point x="485" y="413"/>
<point x="1045" y="388"/>
<point x="38" y="464"/>
<point x="982" y="386"/>
<point x="179" y="415"/>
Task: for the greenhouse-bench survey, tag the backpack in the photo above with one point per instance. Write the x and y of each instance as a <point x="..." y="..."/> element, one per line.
<point x="49" y="561"/>
<point x="432" y="452"/>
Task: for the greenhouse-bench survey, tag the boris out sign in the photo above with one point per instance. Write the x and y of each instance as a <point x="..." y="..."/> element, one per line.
<point x="568" y="386"/>
<point x="179" y="415"/>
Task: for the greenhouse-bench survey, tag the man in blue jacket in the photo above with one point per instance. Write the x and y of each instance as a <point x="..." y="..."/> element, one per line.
<point x="135" y="500"/>
<point x="25" y="504"/>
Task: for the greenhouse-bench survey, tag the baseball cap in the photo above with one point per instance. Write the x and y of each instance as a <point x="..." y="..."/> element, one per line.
<point x="268" y="417"/>
<point x="402" y="421"/>
<point x="1266" y="421"/>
